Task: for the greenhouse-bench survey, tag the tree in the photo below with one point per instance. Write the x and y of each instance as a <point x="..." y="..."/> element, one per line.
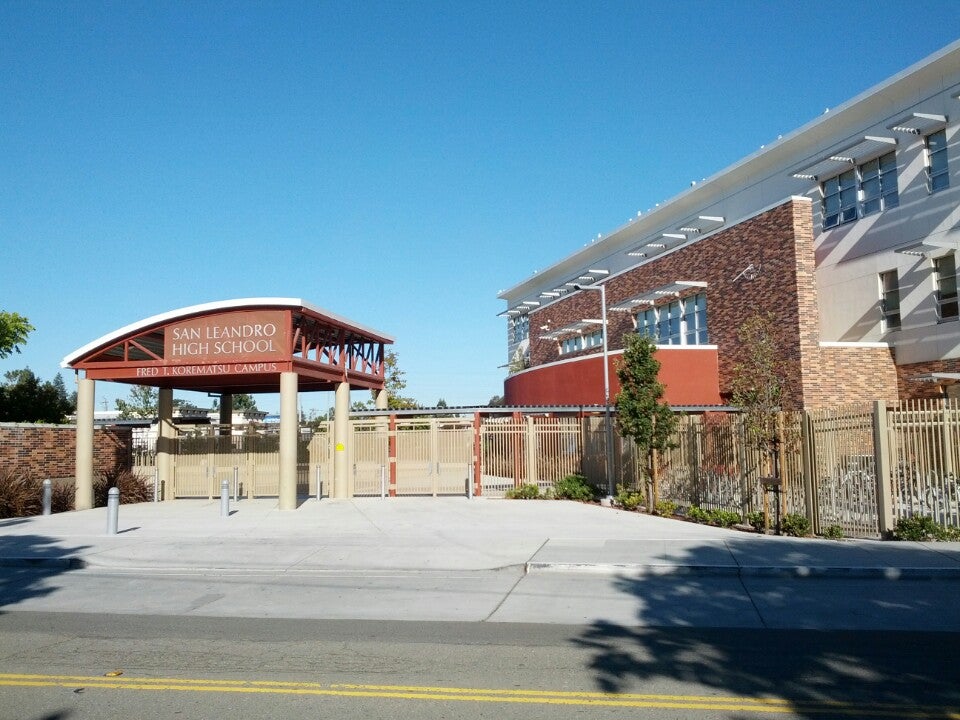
<point x="241" y="402"/>
<point x="758" y="381"/>
<point x="394" y="383"/>
<point x="640" y="413"/>
<point x="24" y="398"/>
<point x="441" y="403"/>
<point x="496" y="401"/>
<point x="14" y="329"/>
<point x="142" y="402"/>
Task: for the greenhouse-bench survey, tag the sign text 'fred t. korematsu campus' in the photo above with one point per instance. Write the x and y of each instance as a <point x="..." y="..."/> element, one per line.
<point x="253" y="345"/>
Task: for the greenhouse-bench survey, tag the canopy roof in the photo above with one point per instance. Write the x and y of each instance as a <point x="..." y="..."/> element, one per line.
<point x="238" y="346"/>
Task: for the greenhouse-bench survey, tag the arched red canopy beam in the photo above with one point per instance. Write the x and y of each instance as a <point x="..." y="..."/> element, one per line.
<point x="238" y="346"/>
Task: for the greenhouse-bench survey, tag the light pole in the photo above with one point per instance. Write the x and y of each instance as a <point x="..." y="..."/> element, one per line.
<point x="606" y="383"/>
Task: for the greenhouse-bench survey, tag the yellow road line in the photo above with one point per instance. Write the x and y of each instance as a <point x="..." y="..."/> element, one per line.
<point x="492" y="695"/>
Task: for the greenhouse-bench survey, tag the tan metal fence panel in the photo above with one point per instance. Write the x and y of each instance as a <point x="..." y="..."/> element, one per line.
<point x="558" y="448"/>
<point x="502" y="448"/>
<point x="454" y="456"/>
<point x="370" y="461"/>
<point x="844" y="480"/>
<point x="925" y="439"/>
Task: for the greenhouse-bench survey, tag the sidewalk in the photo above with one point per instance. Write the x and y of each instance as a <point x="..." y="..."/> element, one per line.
<point x="419" y="535"/>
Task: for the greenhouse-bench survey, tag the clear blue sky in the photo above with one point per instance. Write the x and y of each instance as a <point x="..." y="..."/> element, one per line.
<point x="395" y="163"/>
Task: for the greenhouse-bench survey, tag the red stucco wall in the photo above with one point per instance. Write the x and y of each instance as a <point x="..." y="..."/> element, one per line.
<point x="690" y="375"/>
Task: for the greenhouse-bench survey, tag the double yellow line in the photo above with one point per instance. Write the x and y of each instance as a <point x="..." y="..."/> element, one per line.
<point x="480" y="695"/>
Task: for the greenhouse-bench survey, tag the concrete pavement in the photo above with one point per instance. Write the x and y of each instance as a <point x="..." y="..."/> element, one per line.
<point x="420" y="535"/>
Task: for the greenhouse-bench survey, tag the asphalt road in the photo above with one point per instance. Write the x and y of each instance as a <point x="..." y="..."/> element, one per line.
<point x="59" y="666"/>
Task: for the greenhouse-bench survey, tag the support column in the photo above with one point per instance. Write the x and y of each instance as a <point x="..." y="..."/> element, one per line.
<point x="83" y="483"/>
<point x="226" y="413"/>
<point x="166" y="432"/>
<point x="289" y="428"/>
<point x="341" y="428"/>
<point x="382" y="399"/>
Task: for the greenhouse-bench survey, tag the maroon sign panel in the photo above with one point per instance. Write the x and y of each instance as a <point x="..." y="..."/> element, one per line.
<point x="238" y="337"/>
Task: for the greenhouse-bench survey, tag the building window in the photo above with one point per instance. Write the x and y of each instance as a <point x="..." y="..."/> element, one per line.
<point x="581" y="342"/>
<point x="937" y="175"/>
<point x="647" y="323"/>
<point x="682" y="322"/>
<point x="519" y="329"/>
<point x="889" y="301"/>
<point x="878" y="185"/>
<point x="840" y="199"/>
<point x="945" y="269"/>
<point x="695" y="320"/>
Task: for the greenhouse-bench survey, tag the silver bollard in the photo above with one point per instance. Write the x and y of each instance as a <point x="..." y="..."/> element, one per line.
<point x="383" y="483"/>
<point x="156" y="484"/>
<point x="236" y="483"/>
<point x="113" y="510"/>
<point x="319" y="485"/>
<point x="470" y="481"/>
<point x="47" y="496"/>
<point x="224" y="498"/>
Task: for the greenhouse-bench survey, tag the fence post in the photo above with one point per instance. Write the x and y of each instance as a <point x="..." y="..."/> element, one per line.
<point x="531" y="445"/>
<point x="881" y="464"/>
<point x="807" y="453"/>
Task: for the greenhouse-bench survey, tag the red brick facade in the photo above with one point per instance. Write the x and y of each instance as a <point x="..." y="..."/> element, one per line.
<point x="779" y="242"/>
<point x="911" y="389"/>
<point x="49" y="451"/>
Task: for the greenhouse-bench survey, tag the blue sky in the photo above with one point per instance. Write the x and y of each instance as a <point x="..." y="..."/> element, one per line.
<point x="395" y="163"/>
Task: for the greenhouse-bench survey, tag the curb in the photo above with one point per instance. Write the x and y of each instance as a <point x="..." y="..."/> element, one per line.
<point x="754" y="571"/>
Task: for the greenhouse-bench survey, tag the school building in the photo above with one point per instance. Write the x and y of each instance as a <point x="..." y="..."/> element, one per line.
<point x="846" y="231"/>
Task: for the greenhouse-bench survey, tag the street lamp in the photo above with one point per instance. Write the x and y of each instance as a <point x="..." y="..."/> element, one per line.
<point x="606" y="383"/>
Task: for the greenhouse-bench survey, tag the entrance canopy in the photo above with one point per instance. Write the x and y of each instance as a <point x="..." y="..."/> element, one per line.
<point x="238" y="346"/>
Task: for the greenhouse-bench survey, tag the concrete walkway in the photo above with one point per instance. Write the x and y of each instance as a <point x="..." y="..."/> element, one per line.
<point x="443" y="534"/>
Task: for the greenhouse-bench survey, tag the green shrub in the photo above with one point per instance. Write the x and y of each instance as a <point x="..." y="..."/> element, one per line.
<point x="628" y="499"/>
<point x="795" y="525"/>
<point x="133" y="488"/>
<point x="756" y="520"/>
<point x="527" y="491"/>
<point x="666" y="508"/>
<point x="573" y="487"/>
<point x="923" y="527"/>
<point x="833" y="532"/>
<point x="698" y="514"/>
<point x="723" y="518"/>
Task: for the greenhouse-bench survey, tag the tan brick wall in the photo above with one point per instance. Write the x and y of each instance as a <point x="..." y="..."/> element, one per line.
<point x="49" y="451"/>
<point x="854" y="374"/>
<point x="779" y="240"/>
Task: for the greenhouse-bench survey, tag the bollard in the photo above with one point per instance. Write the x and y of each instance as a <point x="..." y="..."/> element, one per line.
<point x="47" y="496"/>
<point x="470" y="481"/>
<point x="113" y="510"/>
<point x="236" y="483"/>
<point x="319" y="485"/>
<point x="224" y="498"/>
<point x="156" y="484"/>
<point x="383" y="483"/>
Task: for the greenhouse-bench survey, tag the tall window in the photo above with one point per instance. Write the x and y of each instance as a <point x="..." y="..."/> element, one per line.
<point x="889" y="301"/>
<point x="938" y="175"/>
<point x="878" y="184"/>
<point x="945" y="269"/>
<point x="581" y="342"/>
<point x="840" y="199"/>
<point x="519" y="328"/>
<point x="682" y="322"/>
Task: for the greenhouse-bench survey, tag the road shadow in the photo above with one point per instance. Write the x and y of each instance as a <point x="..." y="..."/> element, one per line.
<point x="29" y="564"/>
<point x="696" y="633"/>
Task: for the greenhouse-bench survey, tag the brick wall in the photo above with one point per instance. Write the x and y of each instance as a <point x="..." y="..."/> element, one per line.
<point x="779" y="241"/>
<point x="855" y="374"/>
<point x="49" y="451"/>
<point x="916" y="389"/>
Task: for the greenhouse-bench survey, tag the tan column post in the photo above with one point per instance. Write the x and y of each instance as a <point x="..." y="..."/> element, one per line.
<point x="477" y="455"/>
<point x="166" y="432"/>
<point x="531" y="458"/>
<point x="382" y="399"/>
<point x="341" y="428"/>
<point x="886" y="521"/>
<point x="289" y="428"/>
<point x="83" y="483"/>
